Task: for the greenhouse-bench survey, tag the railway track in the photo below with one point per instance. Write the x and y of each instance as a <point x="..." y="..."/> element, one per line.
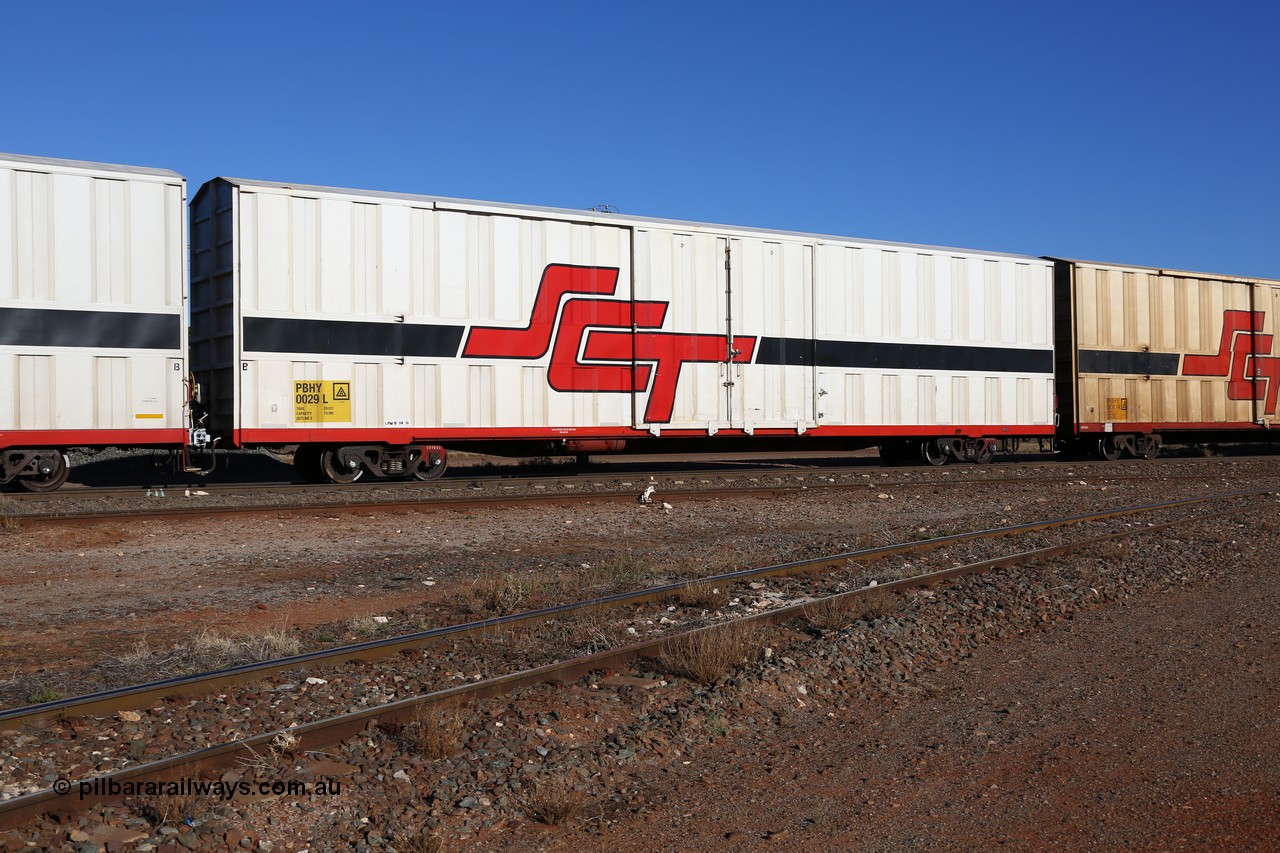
<point x="490" y="491"/>
<point x="335" y="727"/>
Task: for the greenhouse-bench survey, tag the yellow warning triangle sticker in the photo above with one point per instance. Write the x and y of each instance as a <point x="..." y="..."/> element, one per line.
<point x="341" y="391"/>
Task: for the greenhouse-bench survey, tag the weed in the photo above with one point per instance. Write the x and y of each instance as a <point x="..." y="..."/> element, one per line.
<point x="275" y="643"/>
<point x="326" y="638"/>
<point x="266" y="762"/>
<point x="714" y="722"/>
<point x="521" y="641"/>
<point x="709" y="654"/>
<point x="406" y="842"/>
<point x="715" y="562"/>
<point x="843" y="610"/>
<point x="208" y="646"/>
<point x="594" y="631"/>
<point x="208" y="651"/>
<point x="505" y="594"/>
<point x="167" y="809"/>
<point x="623" y="569"/>
<point x="434" y="733"/>
<point x="44" y="694"/>
<point x="367" y="626"/>
<point x="704" y="595"/>
<point x="554" y="803"/>
<point x="216" y="650"/>
<point x="9" y="522"/>
<point x="140" y="654"/>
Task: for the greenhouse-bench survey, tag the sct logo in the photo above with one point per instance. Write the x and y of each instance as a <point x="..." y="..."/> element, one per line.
<point x="1244" y="357"/>
<point x="604" y="345"/>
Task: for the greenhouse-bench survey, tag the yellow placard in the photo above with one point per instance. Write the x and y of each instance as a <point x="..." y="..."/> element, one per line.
<point x="1117" y="408"/>
<point x="321" y="402"/>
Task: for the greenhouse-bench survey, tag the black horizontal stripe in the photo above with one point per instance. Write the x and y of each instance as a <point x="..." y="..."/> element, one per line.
<point x="57" y="327"/>
<point x="1137" y="363"/>
<point x="344" y="337"/>
<point x="892" y="356"/>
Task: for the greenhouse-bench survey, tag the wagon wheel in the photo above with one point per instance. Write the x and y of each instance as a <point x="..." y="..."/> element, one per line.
<point x="1151" y="449"/>
<point x="425" y="469"/>
<point x="333" y="469"/>
<point x="58" y="469"/>
<point x="306" y="461"/>
<point x="1108" y="449"/>
<point x="986" y="452"/>
<point x="934" y="452"/>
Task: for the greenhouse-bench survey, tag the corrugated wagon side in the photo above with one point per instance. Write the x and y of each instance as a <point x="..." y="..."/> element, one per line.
<point x="1149" y="356"/>
<point x="942" y="353"/>
<point x="369" y="330"/>
<point x="92" y="332"/>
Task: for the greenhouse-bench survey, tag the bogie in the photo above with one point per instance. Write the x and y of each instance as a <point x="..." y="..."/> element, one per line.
<point x="36" y="470"/>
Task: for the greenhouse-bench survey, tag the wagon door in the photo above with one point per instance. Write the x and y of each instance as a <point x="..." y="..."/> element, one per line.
<point x="683" y="340"/>
<point x="771" y="312"/>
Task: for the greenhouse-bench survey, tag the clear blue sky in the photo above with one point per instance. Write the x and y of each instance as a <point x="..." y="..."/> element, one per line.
<point x="1137" y="132"/>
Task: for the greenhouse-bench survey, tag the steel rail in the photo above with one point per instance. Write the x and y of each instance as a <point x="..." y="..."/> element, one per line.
<point x="108" y="702"/>
<point x="320" y="734"/>
<point x="811" y="479"/>
<point x="460" y="474"/>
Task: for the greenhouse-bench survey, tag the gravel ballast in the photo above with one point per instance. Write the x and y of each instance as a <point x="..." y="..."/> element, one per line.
<point x="910" y="715"/>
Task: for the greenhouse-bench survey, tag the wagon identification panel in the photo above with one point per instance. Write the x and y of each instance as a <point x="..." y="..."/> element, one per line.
<point x="321" y="402"/>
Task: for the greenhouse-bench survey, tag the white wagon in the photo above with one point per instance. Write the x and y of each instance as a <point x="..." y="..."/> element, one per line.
<point x="373" y="329"/>
<point x="92" y="332"/>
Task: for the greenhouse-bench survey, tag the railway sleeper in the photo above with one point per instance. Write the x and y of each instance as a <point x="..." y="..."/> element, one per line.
<point x="341" y="464"/>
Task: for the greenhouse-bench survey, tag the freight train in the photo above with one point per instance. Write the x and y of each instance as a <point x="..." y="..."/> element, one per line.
<point x="371" y="332"/>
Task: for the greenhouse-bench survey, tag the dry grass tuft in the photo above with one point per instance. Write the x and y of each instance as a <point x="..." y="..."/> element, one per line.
<point x="44" y="694"/>
<point x="707" y="655"/>
<point x="367" y="626"/>
<point x="624" y="569"/>
<point x="555" y="804"/>
<point x="594" y="631"/>
<point x="208" y="650"/>
<point x="267" y="762"/>
<point x="718" y="561"/>
<point x="168" y="809"/>
<point x="842" y="611"/>
<point x="522" y="641"/>
<point x="424" y="843"/>
<point x="140" y="654"/>
<point x="275" y="643"/>
<point x="498" y="596"/>
<point x="434" y="733"/>
<point x="9" y="521"/>
<point x="877" y="603"/>
<point x="704" y="595"/>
